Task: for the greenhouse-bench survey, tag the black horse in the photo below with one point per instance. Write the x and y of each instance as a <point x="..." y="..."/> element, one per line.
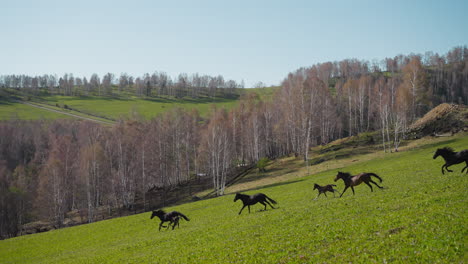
<point x="451" y="157"/>
<point x="325" y="189"/>
<point x="249" y="200"/>
<point x="351" y="181"/>
<point x="171" y="217"/>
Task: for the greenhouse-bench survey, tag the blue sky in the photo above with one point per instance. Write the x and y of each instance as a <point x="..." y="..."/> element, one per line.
<point x="241" y="40"/>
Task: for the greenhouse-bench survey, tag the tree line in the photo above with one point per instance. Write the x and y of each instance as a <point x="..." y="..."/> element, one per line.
<point x="149" y="85"/>
<point x="48" y="168"/>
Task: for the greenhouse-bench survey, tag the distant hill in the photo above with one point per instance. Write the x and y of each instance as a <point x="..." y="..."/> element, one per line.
<point x="110" y="108"/>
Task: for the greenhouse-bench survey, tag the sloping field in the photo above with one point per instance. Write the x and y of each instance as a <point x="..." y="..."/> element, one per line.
<point x="120" y="107"/>
<point x="420" y="217"/>
<point x="13" y="110"/>
<point x="112" y="107"/>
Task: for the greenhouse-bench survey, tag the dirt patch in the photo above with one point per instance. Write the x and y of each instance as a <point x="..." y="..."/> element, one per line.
<point x="443" y="119"/>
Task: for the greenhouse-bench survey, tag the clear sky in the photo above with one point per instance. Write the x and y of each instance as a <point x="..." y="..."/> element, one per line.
<point x="251" y="40"/>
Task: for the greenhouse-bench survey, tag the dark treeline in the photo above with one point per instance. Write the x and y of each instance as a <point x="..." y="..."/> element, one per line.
<point x="150" y="85"/>
<point x="50" y="168"/>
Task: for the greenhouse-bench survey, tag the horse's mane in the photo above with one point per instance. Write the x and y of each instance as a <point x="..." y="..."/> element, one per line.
<point x="347" y="174"/>
<point x="448" y="149"/>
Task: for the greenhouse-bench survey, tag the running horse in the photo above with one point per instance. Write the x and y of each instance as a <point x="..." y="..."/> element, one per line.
<point x="451" y="158"/>
<point x="325" y="189"/>
<point x="351" y="181"/>
<point x="171" y="217"/>
<point x="249" y="200"/>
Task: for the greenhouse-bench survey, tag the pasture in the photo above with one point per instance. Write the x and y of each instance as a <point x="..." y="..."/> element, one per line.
<point x="116" y="108"/>
<point x="420" y="217"/>
<point x="13" y="110"/>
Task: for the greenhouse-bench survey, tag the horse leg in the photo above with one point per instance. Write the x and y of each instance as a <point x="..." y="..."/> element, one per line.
<point x="173" y="222"/>
<point x="344" y="191"/>
<point x="176" y="222"/>
<point x="263" y="202"/>
<point x="317" y="196"/>
<point x="368" y="184"/>
<point x="376" y="184"/>
<point x="249" y="208"/>
<point x="269" y="205"/>
<point x="466" y="167"/>
<point x="325" y="194"/>
<point x="443" y="169"/>
<point x="446" y="167"/>
<point x="334" y="192"/>
<point x="242" y="209"/>
<point x="160" y="225"/>
<point x="352" y="188"/>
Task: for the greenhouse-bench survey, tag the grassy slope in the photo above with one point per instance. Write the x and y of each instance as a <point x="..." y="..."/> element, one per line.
<point x="419" y="217"/>
<point x="11" y="110"/>
<point x="117" y="107"/>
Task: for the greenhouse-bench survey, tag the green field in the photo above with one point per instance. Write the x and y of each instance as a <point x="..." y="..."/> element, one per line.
<point x="120" y="107"/>
<point x="12" y="110"/>
<point x="113" y="107"/>
<point x="420" y="217"/>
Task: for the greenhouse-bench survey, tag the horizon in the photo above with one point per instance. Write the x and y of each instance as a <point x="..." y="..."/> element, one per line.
<point x="250" y="42"/>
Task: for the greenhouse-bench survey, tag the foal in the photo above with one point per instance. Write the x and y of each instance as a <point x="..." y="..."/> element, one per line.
<point x="451" y="157"/>
<point x="325" y="189"/>
<point x="249" y="200"/>
<point x="351" y="181"/>
<point x="171" y="217"/>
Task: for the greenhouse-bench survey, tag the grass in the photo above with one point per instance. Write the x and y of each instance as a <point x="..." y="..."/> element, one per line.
<point x="117" y="107"/>
<point x="12" y="110"/>
<point x="72" y="112"/>
<point x="420" y="217"/>
<point x="265" y="93"/>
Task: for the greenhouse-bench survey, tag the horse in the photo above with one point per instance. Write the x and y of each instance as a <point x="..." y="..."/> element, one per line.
<point x="249" y="200"/>
<point x="171" y="217"/>
<point x="325" y="189"/>
<point x="451" y="158"/>
<point x="351" y="181"/>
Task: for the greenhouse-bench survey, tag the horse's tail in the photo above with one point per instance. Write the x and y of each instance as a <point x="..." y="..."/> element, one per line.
<point x="183" y="216"/>
<point x="271" y="200"/>
<point x="375" y="175"/>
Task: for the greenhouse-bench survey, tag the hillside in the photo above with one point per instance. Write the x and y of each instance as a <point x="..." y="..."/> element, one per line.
<point x="13" y="110"/>
<point x="418" y="217"/>
<point x="444" y="118"/>
<point x="107" y="109"/>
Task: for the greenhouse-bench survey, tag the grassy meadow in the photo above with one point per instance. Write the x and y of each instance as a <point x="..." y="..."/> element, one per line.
<point x="420" y="217"/>
<point x="13" y="110"/>
<point x="113" y="107"/>
<point x="123" y="107"/>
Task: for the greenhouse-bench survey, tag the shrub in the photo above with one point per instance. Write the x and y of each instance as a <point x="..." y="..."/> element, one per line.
<point x="261" y="164"/>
